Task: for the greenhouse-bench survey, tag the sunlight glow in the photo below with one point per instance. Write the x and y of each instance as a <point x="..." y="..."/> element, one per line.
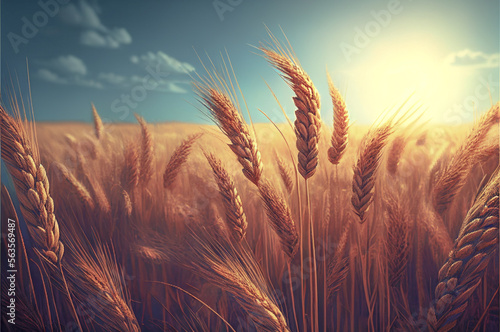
<point x="390" y="74"/>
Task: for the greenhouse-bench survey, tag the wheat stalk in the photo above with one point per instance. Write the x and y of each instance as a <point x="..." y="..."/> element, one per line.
<point x="99" y="128"/>
<point x="235" y="216"/>
<point x="147" y="152"/>
<point x="365" y="170"/>
<point x="28" y="318"/>
<point x="28" y="314"/>
<point x="340" y="125"/>
<point x="307" y="101"/>
<point x="454" y="176"/>
<point x="281" y="219"/>
<point x="468" y="260"/>
<point x="178" y="158"/>
<point x="32" y="187"/>
<point x="307" y="131"/>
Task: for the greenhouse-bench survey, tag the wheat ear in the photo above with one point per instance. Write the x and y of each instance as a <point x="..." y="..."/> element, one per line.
<point x="454" y="176"/>
<point x="264" y="312"/>
<point x="75" y="186"/>
<point x="94" y="187"/>
<point x="395" y="153"/>
<point x="178" y="158"/>
<point x="235" y="216"/>
<point x="307" y="131"/>
<point x="468" y="260"/>
<point x="98" y="279"/>
<point x="32" y="187"/>
<point x="234" y="270"/>
<point x="488" y="151"/>
<point x="98" y="127"/>
<point x="307" y="101"/>
<point x="338" y="266"/>
<point x="126" y="203"/>
<point x="130" y="170"/>
<point x="340" y="125"/>
<point x="227" y="265"/>
<point x="147" y="153"/>
<point x="230" y="122"/>
<point x="285" y="173"/>
<point x="280" y="216"/>
<point x="365" y="170"/>
<point x="397" y="243"/>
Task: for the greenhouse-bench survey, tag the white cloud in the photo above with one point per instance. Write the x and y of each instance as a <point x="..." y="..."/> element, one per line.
<point x="112" y="79"/>
<point x="82" y="15"/>
<point x="473" y="59"/>
<point x="90" y="83"/>
<point x="66" y="65"/>
<point x="120" y="35"/>
<point x="94" y="33"/>
<point x="162" y="62"/>
<point x="71" y="70"/>
<point x="109" y="39"/>
<point x="93" y="38"/>
<point x="68" y="70"/>
<point x="112" y="39"/>
<point x="163" y="85"/>
<point x="172" y="88"/>
<point x="49" y="76"/>
<point x="52" y="77"/>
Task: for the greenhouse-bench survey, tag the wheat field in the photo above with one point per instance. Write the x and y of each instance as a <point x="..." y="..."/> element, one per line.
<point x="312" y="225"/>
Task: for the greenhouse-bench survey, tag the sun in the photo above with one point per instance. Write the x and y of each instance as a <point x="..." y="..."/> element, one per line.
<point x="391" y="72"/>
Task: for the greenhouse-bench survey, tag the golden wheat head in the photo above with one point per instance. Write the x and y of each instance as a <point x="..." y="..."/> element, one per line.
<point x="365" y="170"/>
<point x="307" y="101"/>
<point x="468" y="260"/>
<point x="32" y="187"/>
<point x="230" y="122"/>
<point x="235" y="216"/>
<point x="98" y="126"/>
<point x="340" y="125"/>
<point x="179" y="157"/>
<point x="281" y="219"/>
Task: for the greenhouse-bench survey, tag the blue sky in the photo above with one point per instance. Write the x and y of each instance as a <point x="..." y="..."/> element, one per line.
<point x="137" y="56"/>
